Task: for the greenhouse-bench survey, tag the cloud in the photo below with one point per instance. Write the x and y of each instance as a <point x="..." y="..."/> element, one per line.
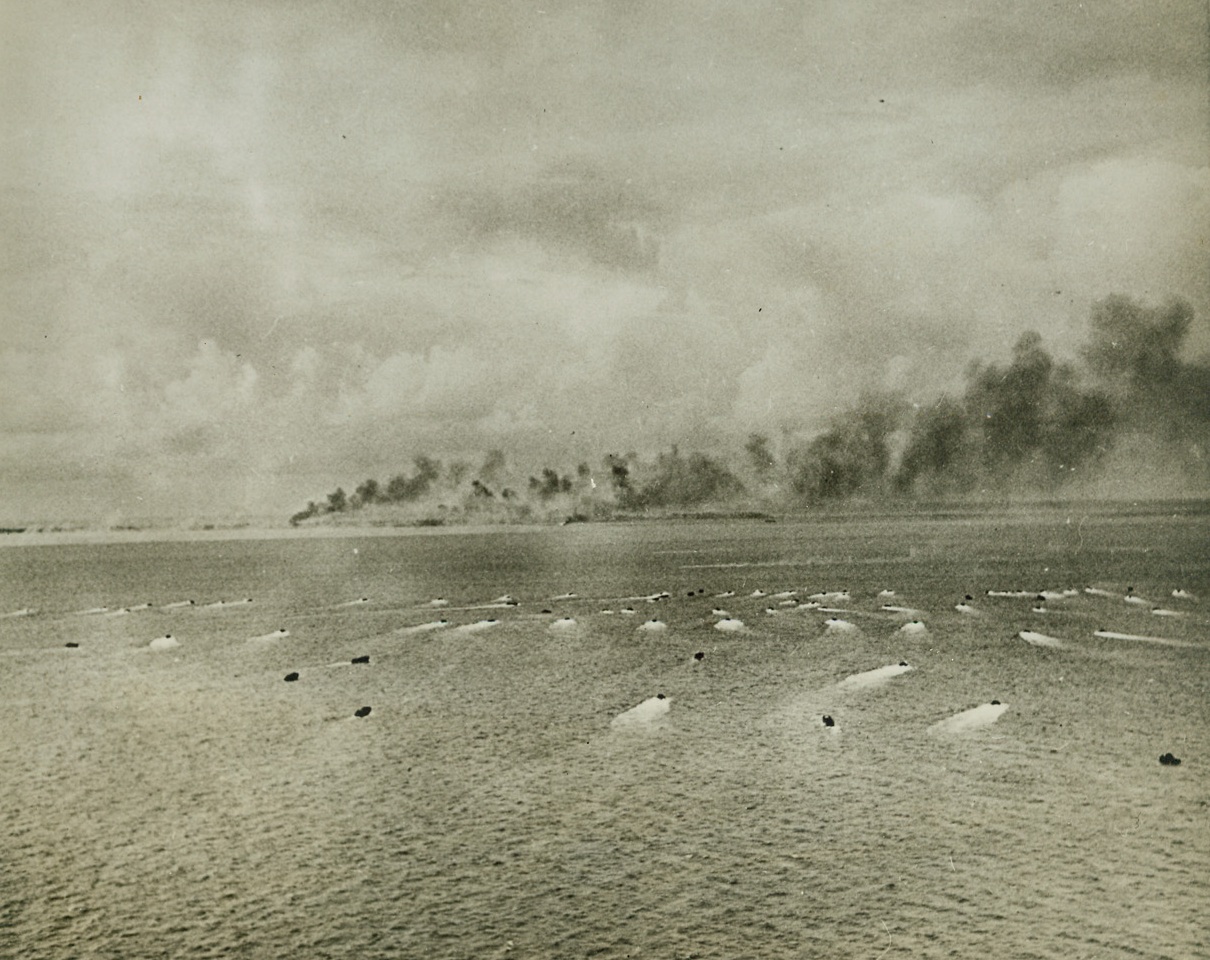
<point x="573" y="207"/>
<point x="568" y="227"/>
<point x="217" y="393"/>
<point x="1138" y="226"/>
<point x="445" y="384"/>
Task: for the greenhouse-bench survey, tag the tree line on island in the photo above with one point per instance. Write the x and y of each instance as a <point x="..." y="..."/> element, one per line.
<point x="1033" y="425"/>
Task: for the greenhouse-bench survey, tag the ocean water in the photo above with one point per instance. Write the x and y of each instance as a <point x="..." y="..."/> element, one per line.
<point x="188" y="802"/>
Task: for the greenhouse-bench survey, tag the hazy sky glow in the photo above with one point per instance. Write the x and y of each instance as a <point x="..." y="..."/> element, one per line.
<point x="257" y="248"/>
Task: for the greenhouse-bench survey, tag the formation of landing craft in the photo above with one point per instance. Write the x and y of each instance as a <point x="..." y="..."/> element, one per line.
<point x="654" y="709"/>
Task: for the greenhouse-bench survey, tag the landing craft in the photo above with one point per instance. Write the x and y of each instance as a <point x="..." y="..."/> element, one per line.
<point x="839" y="625"/>
<point x="477" y="626"/>
<point x="425" y="627"/>
<point x="973" y="719"/>
<point x="645" y="713"/>
<point x="1132" y="597"/>
<point x="873" y="678"/>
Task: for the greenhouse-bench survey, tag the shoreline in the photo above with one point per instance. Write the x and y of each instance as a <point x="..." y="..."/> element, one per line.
<point x="153" y="532"/>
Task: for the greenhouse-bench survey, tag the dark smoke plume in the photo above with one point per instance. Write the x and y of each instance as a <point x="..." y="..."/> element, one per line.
<point x="1030" y="424"/>
<point x="1034" y="425"/>
<point x="679" y="481"/>
<point x="1135" y="353"/>
<point x="850" y="458"/>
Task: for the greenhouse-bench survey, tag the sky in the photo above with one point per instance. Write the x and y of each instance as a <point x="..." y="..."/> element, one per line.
<point x="256" y="249"/>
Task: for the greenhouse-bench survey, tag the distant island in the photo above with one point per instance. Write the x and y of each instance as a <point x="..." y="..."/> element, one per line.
<point x="1131" y="418"/>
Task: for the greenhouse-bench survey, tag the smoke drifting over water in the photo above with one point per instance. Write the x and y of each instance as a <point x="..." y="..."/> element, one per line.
<point x="1130" y="418"/>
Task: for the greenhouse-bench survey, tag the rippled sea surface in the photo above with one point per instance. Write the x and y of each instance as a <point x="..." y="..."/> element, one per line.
<point x="188" y="802"/>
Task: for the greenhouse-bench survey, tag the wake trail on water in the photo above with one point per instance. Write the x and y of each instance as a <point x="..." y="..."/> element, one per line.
<point x="872" y="679"/>
<point x="975" y="718"/>
<point x="1041" y="639"/>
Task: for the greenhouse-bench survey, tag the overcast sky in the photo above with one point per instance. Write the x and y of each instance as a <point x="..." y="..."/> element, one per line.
<point x="256" y="249"/>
